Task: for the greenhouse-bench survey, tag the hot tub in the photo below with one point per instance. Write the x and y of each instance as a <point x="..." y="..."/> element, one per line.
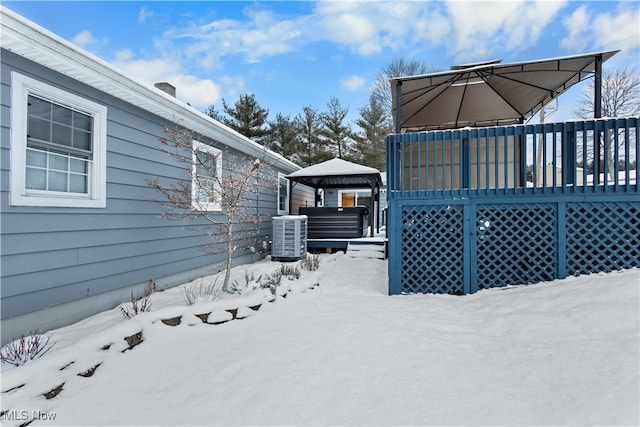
<point x="336" y="223"/>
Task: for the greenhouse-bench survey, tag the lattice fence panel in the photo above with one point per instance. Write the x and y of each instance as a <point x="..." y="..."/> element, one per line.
<point x="516" y="244"/>
<point x="432" y="249"/>
<point x="602" y="237"/>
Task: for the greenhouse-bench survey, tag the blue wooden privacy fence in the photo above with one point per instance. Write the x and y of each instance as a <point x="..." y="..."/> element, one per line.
<point x="476" y="208"/>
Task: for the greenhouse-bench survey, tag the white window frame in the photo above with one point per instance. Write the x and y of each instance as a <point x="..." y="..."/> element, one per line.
<point x="96" y="196"/>
<point x="355" y="191"/>
<point x="284" y="211"/>
<point x="216" y="205"/>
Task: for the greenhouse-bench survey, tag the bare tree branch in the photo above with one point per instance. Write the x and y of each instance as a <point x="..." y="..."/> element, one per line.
<point x="221" y="189"/>
<point x="620" y="98"/>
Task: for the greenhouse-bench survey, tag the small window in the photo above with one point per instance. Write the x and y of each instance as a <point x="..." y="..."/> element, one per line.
<point x="206" y="177"/>
<point x="58" y="147"/>
<point x="363" y="198"/>
<point x="283" y="195"/>
<point x="350" y="198"/>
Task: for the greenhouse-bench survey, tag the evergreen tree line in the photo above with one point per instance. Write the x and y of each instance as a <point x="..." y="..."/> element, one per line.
<point x="311" y="136"/>
<point x="314" y="136"/>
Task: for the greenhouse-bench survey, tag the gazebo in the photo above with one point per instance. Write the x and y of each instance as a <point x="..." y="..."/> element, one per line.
<point x="468" y="208"/>
<point x="490" y="93"/>
<point x="339" y="173"/>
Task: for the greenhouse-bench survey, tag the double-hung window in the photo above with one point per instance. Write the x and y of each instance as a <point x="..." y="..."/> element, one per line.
<point x="283" y="195"/>
<point x="58" y="147"/>
<point x="206" y="178"/>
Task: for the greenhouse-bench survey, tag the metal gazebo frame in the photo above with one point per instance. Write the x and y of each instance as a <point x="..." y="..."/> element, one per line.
<point x="490" y="93"/>
<point x="339" y="173"/>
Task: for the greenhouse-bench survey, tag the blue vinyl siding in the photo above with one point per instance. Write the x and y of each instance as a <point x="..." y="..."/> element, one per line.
<point x="331" y="197"/>
<point x="52" y="256"/>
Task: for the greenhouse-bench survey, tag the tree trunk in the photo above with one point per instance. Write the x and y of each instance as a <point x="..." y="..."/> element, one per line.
<point x="229" y="262"/>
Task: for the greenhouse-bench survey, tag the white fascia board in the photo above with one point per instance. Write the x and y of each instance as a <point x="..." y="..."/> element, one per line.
<point x="29" y="40"/>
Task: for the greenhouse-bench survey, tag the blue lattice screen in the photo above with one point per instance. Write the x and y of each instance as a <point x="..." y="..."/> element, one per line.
<point x="468" y="212"/>
<point x="602" y="237"/>
<point x="432" y="249"/>
<point x="516" y="244"/>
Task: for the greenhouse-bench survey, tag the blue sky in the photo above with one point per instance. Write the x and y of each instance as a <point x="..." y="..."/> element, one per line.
<point x="295" y="54"/>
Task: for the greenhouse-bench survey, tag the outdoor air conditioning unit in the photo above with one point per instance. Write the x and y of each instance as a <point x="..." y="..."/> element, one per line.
<point x="289" y="237"/>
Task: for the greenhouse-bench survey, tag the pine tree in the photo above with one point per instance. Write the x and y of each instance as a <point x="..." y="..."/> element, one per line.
<point x="213" y="113"/>
<point x="309" y="128"/>
<point x="370" y="143"/>
<point x="284" y="137"/>
<point x="247" y="117"/>
<point x="334" y="132"/>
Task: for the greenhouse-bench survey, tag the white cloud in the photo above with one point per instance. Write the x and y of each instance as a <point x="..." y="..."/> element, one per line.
<point x="352" y="30"/>
<point x="481" y="29"/>
<point x="145" y="14"/>
<point x="577" y="24"/>
<point x="617" y="29"/>
<point x="232" y="87"/>
<point x="473" y="23"/>
<point x="365" y="28"/>
<point x="469" y="30"/>
<point x="151" y="70"/>
<point x="200" y="93"/>
<point x="538" y="15"/>
<point x="84" y="39"/>
<point x="261" y="35"/>
<point x="433" y="30"/>
<point x="353" y="82"/>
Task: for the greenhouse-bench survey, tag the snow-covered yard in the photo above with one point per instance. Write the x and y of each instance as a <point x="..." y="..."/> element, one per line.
<point x="345" y="353"/>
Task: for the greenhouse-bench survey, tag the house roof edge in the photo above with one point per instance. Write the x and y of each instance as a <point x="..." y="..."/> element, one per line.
<point x="31" y="41"/>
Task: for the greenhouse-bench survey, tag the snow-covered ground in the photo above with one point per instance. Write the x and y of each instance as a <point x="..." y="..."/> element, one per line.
<point x="345" y="353"/>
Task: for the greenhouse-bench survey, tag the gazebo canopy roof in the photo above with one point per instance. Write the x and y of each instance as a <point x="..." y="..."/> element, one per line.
<point x="486" y="94"/>
<point x="337" y="173"/>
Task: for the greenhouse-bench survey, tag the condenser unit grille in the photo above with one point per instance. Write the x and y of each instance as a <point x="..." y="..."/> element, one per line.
<point x="289" y="237"/>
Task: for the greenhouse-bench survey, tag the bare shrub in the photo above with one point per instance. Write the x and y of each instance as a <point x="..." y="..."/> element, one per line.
<point x="224" y="205"/>
<point x="26" y="348"/>
<point x="250" y="278"/>
<point x="290" y="272"/>
<point x="139" y="304"/>
<point x="201" y="292"/>
<point x="272" y="281"/>
<point x="310" y="262"/>
<point x="250" y="282"/>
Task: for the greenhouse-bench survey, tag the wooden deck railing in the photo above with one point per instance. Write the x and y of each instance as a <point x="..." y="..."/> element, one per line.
<point x="588" y="156"/>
